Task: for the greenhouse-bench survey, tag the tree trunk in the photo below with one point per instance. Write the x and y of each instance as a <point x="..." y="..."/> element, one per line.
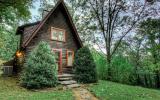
<point x="109" y="67"/>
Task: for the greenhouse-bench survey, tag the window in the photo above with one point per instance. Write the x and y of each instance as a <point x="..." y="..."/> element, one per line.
<point x="58" y="34"/>
<point x="70" y="57"/>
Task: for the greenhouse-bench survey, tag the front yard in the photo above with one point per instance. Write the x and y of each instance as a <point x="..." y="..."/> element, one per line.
<point x="104" y="90"/>
<point x="9" y="90"/>
<point x="114" y="91"/>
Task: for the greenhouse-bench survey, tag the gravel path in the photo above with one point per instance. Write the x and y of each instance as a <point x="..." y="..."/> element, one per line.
<point x="83" y="94"/>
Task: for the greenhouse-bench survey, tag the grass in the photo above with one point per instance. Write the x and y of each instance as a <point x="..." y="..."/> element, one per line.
<point x="9" y="90"/>
<point x="114" y="91"/>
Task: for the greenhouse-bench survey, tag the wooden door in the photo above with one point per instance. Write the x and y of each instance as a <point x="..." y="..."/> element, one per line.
<point x="58" y="58"/>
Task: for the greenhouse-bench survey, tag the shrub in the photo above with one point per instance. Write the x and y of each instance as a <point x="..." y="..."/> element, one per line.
<point x="85" y="67"/>
<point x="40" y="69"/>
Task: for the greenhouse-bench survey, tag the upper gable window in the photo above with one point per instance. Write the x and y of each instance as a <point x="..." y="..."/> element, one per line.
<point x="57" y="34"/>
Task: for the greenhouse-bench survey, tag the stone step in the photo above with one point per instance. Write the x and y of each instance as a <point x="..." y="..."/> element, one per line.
<point x="73" y="86"/>
<point x="70" y="72"/>
<point x="67" y="70"/>
<point x="68" y="82"/>
<point x="64" y="78"/>
<point x="65" y="75"/>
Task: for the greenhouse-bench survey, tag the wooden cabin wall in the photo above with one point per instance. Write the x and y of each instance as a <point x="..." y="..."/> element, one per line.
<point x="27" y="32"/>
<point x="58" y="20"/>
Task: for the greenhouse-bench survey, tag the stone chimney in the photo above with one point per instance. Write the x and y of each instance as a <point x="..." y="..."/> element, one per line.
<point x="44" y="13"/>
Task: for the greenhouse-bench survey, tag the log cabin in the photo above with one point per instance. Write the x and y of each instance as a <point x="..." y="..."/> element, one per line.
<point x="56" y="28"/>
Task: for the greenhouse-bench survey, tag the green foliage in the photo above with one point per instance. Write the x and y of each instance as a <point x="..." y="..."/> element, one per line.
<point x="40" y="68"/>
<point x="121" y="69"/>
<point x="8" y="43"/>
<point x="11" y="10"/>
<point x="11" y="13"/>
<point x="151" y="29"/>
<point x="85" y="67"/>
<point x="101" y="64"/>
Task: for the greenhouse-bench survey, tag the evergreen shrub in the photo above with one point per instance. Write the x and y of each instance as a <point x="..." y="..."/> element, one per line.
<point x="85" y="67"/>
<point x="40" y="69"/>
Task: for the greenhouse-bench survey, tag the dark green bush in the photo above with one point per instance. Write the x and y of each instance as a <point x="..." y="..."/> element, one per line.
<point x="40" y="68"/>
<point x="85" y="67"/>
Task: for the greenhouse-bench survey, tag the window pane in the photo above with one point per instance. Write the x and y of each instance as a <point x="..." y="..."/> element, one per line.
<point x="70" y="58"/>
<point x="58" y="35"/>
<point x="54" y="35"/>
<point x="56" y="56"/>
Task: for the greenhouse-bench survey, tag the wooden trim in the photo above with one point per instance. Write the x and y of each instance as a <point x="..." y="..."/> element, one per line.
<point x="67" y="56"/>
<point x="54" y="28"/>
<point x="60" y="59"/>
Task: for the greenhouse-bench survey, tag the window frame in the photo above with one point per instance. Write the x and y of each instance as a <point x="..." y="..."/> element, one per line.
<point x="67" y="57"/>
<point x="58" y="29"/>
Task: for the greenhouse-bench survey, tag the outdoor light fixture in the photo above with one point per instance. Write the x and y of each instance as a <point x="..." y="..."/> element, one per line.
<point x="19" y="53"/>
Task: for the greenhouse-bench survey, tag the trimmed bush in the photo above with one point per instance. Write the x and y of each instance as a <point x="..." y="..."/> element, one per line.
<point x="40" y="69"/>
<point x="85" y="67"/>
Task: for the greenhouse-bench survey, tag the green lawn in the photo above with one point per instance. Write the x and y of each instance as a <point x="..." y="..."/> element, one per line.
<point x="113" y="91"/>
<point x="9" y="90"/>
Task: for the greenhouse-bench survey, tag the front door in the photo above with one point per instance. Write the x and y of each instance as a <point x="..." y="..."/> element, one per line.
<point x="58" y="58"/>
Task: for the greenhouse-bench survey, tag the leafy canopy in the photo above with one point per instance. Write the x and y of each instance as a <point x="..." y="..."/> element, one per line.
<point x="13" y="9"/>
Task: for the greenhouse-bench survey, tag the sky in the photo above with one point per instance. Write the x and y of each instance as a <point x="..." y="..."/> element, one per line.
<point x="34" y="11"/>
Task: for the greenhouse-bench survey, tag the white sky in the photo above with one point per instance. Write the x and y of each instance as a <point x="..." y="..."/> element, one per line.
<point x="34" y="11"/>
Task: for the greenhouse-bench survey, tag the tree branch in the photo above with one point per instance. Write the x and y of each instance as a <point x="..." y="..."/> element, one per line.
<point x="98" y="16"/>
<point x="132" y="26"/>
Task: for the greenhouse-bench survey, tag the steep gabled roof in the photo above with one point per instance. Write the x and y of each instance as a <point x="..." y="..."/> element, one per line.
<point x="38" y="25"/>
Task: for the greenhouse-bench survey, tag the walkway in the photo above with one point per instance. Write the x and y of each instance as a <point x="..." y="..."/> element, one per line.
<point x="83" y="94"/>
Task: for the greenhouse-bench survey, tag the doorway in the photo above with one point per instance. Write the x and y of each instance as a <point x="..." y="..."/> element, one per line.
<point x="58" y="58"/>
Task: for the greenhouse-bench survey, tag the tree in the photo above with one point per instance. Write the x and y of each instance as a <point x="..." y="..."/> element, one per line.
<point x="40" y="68"/>
<point x="112" y="21"/>
<point x="13" y="9"/>
<point x="8" y="43"/>
<point x="11" y="13"/>
<point x="151" y="30"/>
<point x="85" y="67"/>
